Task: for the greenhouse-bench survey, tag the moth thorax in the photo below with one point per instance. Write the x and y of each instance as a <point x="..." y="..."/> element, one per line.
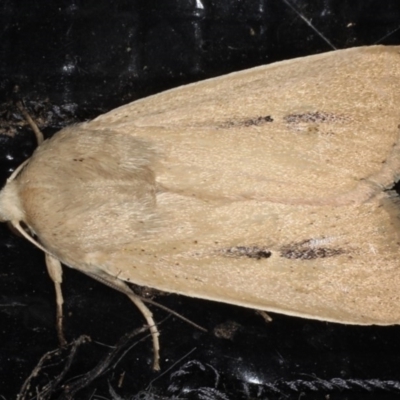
<point x="10" y="203"/>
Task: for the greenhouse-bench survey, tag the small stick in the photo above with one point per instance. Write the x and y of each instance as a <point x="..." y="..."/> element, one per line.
<point x="31" y="122"/>
<point x="51" y="386"/>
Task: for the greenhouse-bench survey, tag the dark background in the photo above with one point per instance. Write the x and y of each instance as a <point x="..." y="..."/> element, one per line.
<point x="73" y="60"/>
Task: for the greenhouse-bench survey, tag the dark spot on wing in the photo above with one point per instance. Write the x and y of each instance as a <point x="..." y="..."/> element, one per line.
<point x="318" y="122"/>
<point x="313" y="117"/>
<point x="305" y="250"/>
<point x="248" y="251"/>
<point x="255" y="121"/>
<point x="309" y="250"/>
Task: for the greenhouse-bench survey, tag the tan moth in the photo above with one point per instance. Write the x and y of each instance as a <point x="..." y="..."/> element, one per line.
<point x="267" y="188"/>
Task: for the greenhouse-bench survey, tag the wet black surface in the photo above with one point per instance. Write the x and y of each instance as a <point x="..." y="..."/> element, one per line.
<point x="73" y="60"/>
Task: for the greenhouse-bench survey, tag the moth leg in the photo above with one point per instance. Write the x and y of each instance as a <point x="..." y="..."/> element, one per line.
<point x="147" y="314"/>
<point x="55" y="271"/>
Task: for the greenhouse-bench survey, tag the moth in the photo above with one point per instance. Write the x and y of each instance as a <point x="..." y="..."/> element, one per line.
<point x="268" y="188"/>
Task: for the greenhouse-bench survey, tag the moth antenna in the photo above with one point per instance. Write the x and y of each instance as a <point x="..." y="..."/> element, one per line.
<point x="180" y="316"/>
<point x="18" y="227"/>
<point x="31" y="122"/>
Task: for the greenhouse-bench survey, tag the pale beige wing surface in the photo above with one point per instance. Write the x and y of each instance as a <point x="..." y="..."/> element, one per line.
<point x="317" y="126"/>
<point x="264" y="188"/>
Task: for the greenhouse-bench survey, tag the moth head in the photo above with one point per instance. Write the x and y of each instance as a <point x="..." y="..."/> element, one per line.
<point x="10" y="203"/>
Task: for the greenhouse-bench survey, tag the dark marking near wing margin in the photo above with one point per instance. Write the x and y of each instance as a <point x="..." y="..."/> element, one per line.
<point x="305" y="250"/>
<point x="312" y="117"/>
